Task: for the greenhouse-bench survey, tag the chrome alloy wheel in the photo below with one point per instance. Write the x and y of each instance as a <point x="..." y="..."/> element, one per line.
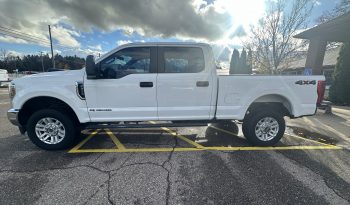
<point x="50" y="130"/>
<point x="266" y="129"/>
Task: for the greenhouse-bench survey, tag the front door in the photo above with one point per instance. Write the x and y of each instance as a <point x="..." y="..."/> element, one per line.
<point x="126" y="88"/>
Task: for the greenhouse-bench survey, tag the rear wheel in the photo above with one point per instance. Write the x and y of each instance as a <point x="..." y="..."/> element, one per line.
<point x="51" y="130"/>
<point x="264" y="127"/>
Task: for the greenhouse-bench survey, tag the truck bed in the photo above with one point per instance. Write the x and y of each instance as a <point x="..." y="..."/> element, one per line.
<point x="237" y="92"/>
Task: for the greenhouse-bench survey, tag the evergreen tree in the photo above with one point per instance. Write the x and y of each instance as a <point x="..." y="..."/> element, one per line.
<point x="234" y="63"/>
<point x="250" y="62"/>
<point x="340" y="89"/>
<point x="243" y="63"/>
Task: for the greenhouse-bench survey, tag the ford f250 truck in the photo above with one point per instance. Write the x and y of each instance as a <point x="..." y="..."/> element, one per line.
<point x="175" y="84"/>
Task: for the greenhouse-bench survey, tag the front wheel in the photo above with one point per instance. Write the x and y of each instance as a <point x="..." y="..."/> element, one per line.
<point x="264" y="127"/>
<point x="51" y="130"/>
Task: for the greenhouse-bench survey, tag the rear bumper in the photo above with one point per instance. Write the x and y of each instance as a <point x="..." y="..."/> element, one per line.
<point x="12" y="116"/>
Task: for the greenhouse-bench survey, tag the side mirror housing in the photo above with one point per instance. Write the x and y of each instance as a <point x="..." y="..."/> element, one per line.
<point x="90" y="67"/>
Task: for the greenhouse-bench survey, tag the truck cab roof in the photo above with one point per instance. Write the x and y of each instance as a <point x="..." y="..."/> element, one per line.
<point x="140" y="44"/>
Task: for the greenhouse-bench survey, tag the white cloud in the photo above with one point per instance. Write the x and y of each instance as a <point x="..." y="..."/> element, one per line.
<point x="122" y="42"/>
<point x="65" y="37"/>
<point x="163" y="18"/>
<point x="194" y="20"/>
<point x="97" y="47"/>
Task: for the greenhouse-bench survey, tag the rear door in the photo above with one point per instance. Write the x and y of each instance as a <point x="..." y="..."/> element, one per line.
<point x="184" y="84"/>
<point x="126" y="89"/>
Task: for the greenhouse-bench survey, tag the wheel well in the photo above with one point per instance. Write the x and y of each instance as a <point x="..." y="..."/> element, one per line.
<point x="38" y="103"/>
<point x="275" y="102"/>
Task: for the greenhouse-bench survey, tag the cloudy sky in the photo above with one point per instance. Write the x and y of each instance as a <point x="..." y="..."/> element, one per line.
<point x="84" y="27"/>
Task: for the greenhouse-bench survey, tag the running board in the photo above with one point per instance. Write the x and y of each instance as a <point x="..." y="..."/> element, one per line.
<point x="101" y="126"/>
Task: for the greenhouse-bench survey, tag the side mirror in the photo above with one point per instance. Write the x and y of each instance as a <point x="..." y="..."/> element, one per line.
<point x="90" y="67"/>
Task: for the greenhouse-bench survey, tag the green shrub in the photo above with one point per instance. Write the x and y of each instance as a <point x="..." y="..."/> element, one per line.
<point x="339" y="92"/>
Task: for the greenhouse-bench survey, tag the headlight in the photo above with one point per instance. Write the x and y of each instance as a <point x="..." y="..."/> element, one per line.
<point x="12" y="90"/>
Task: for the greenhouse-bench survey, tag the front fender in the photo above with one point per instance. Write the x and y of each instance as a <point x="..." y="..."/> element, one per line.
<point x="66" y="95"/>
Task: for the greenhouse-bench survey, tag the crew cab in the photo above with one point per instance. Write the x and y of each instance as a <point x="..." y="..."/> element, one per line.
<point x="175" y="84"/>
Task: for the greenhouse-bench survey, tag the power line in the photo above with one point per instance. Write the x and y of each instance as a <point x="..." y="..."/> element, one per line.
<point x="21" y="33"/>
<point x="34" y="39"/>
<point x="23" y="37"/>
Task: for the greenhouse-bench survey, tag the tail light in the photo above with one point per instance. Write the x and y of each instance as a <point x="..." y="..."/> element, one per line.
<point x="321" y="88"/>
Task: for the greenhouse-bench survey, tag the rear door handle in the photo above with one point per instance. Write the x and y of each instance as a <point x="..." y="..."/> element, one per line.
<point x="202" y="83"/>
<point x="146" y="84"/>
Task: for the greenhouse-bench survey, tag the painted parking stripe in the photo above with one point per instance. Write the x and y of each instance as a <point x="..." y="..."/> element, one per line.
<point x="76" y="148"/>
<point x="115" y="139"/>
<point x="136" y="150"/>
<point x="295" y="136"/>
<point x="196" y="145"/>
<point x="310" y="140"/>
<point x="120" y="148"/>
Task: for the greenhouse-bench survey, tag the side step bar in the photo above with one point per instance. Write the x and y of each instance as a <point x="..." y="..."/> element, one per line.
<point x="113" y="125"/>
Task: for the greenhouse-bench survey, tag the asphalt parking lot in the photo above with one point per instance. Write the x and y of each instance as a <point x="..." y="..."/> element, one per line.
<point x="197" y="165"/>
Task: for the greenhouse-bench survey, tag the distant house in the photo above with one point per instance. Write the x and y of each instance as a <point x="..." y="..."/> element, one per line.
<point x="297" y="66"/>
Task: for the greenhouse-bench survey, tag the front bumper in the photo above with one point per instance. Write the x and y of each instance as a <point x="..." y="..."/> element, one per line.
<point x="12" y="115"/>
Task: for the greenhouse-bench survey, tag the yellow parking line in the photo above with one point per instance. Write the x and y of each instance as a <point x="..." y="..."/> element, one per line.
<point x="306" y="139"/>
<point x="271" y="148"/>
<point x="84" y="141"/>
<point x="115" y="139"/>
<point x="198" y="146"/>
<point x="136" y="150"/>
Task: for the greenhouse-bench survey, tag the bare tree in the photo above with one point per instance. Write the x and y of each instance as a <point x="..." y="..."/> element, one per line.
<point x="272" y="39"/>
<point x="3" y="54"/>
<point x="341" y="8"/>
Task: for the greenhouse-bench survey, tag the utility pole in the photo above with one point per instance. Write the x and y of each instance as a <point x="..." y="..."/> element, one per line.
<point x="42" y="61"/>
<point x="53" y="57"/>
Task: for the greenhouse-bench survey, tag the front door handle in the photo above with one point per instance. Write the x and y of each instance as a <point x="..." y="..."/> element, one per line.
<point x="146" y="84"/>
<point x="202" y="83"/>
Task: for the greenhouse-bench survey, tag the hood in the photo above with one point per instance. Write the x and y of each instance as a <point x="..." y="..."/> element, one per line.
<point x="52" y="77"/>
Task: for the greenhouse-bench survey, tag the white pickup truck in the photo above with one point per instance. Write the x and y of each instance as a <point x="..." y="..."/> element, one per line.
<point x="175" y="84"/>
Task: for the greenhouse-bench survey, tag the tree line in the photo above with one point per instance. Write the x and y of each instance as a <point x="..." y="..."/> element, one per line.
<point x="38" y="63"/>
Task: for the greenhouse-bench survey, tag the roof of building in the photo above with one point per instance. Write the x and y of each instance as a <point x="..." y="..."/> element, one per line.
<point x="330" y="59"/>
<point x="336" y="30"/>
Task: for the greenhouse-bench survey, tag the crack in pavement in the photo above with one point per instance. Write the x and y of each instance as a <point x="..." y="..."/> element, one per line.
<point x="163" y="166"/>
<point x="168" y="172"/>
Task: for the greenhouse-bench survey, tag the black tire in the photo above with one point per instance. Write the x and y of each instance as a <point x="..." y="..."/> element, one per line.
<point x="66" y="121"/>
<point x="250" y="122"/>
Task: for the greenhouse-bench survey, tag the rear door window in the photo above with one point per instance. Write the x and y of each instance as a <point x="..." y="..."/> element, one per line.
<point x="182" y="60"/>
